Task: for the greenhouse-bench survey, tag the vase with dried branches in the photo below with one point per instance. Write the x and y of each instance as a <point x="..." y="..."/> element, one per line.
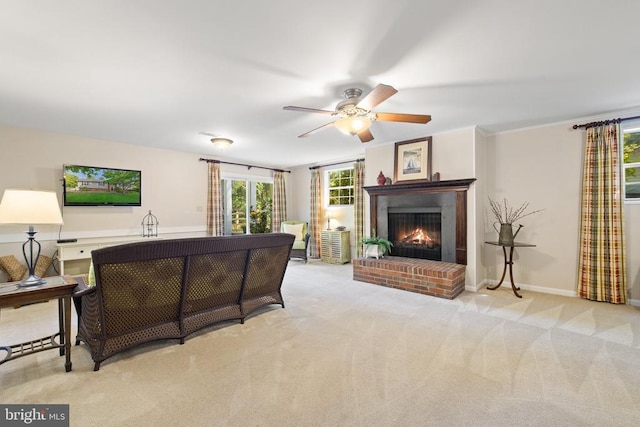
<point x="506" y="215"/>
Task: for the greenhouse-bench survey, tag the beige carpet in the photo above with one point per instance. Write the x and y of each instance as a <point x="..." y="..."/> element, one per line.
<point x="347" y="353"/>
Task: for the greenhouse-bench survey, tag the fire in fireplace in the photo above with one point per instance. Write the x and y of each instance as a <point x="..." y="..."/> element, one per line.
<point x="416" y="234"/>
<point x="418" y="237"/>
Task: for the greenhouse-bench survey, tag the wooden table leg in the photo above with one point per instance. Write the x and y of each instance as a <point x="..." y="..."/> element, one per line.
<point x="67" y="332"/>
<point x="60" y="288"/>
<point x="61" y="324"/>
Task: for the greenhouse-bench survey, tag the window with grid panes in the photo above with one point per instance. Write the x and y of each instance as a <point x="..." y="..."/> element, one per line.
<point x="340" y="183"/>
<point x="631" y="164"/>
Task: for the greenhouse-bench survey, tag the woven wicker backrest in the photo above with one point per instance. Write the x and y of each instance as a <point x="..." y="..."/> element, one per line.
<point x="265" y="271"/>
<point x="214" y="279"/>
<point x="143" y="284"/>
<point x="141" y="293"/>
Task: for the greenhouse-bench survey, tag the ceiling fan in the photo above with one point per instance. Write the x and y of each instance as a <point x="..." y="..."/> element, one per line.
<point x="355" y="115"/>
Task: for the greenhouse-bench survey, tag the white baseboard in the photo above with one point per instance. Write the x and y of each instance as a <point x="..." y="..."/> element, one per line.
<point x="474" y="288"/>
<point x="541" y="289"/>
<point x="526" y="287"/>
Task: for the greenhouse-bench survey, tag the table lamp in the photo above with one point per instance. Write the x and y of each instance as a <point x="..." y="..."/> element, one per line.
<point x="30" y="207"/>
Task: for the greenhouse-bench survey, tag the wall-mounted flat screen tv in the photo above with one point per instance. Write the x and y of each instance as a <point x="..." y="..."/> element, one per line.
<point x="95" y="186"/>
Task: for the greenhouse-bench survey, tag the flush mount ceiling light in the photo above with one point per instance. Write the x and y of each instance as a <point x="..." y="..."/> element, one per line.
<point x="221" y="143"/>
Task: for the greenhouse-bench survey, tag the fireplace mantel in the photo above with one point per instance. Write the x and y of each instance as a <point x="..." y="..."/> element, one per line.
<point x="420" y="187"/>
<point x="457" y="186"/>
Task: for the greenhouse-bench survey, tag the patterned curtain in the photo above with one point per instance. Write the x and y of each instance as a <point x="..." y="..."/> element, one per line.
<point x="215" y="225"/>
<point x="602" y="275"/>
<point x="358" y="207"/>
<point x="316" y="206"/>
<point x="279" y="201"/>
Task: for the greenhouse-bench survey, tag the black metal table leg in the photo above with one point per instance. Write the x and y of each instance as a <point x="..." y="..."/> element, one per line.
<point x="508" y="263"/>
<point x="504" y="271"/>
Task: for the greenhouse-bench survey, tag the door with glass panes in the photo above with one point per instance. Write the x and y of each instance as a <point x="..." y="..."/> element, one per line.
<point x="247" y="206"/>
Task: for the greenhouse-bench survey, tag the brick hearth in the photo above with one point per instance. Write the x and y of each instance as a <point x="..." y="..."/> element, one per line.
<point x="435" y="278"/>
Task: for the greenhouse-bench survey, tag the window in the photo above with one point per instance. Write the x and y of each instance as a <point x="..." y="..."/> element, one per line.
<point x="631" y="164"/>
<point x="244" y="199"/>
<point x="340" y="187"/>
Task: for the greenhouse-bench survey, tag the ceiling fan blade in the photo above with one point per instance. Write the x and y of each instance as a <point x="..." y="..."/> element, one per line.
<point x="307" y="110"/>
<point x="376" y="96"/>
<point x="365" y="136"/>
<point x="408" y="118"/>
<point x="328" y="125"/>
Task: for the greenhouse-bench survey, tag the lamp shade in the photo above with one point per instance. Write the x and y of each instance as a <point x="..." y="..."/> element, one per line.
<point x="352" y="125"/>
<point x="30" y="207"/>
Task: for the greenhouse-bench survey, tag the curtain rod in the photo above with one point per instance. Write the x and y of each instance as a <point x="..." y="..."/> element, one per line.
<point x="337" y="163"/>
<point x="242" y="164"/>
<point x="605" y="122"/>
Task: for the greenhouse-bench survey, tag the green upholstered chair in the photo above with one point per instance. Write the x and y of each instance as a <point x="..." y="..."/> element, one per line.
<point x="301" y="242"/>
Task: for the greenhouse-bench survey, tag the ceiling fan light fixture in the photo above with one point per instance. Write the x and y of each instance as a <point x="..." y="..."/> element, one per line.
<point x="352" y="125"/>
<point x="221" y="143"/>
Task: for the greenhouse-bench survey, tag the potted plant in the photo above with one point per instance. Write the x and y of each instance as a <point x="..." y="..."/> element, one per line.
<point x="374" y="246"/>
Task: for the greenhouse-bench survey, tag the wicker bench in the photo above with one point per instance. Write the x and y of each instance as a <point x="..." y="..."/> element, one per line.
<point x="168" y="289"/>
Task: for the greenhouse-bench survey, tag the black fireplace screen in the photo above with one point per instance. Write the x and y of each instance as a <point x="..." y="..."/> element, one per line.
<point x="416" y="235"/>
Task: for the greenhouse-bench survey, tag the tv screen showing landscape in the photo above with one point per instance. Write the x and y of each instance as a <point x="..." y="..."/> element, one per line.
<point x="95" y="186"/>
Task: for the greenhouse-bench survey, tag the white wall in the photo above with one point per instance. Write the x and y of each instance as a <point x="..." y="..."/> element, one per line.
<point x="476" y="217"/>
<point x="541" y="166"/>
<point x="632" y="233"/>
<point x="174" y="186"/>
<point x="299" y="205"/>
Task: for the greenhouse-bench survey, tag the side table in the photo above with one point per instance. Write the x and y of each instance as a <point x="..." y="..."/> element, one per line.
<point x="508" y="261"/>
<point x="335" y="246"/>
<point x="57" y="287"/>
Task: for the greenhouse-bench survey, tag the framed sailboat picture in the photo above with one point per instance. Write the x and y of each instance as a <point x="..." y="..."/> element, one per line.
<point x="412" y="160"/>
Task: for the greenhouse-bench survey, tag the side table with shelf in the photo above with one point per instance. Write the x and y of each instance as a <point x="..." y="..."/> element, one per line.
<point x="335" y="246"/>
<point x="56" y="287"/>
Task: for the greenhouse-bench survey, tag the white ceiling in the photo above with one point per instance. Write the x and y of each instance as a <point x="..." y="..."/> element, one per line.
<point x="158" y="72"/>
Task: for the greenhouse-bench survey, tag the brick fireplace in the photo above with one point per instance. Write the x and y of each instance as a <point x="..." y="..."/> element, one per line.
<point x="435" y="278"/>
<point x="427" y="223"/>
